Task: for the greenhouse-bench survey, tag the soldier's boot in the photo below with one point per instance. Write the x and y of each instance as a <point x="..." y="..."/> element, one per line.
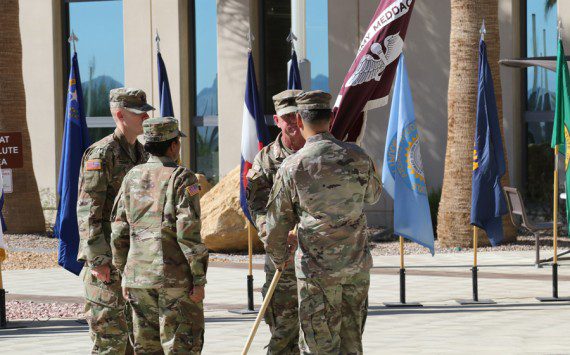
<point x="282" y="314"/>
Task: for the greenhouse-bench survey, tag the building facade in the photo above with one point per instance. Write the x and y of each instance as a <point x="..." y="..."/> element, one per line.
<point x="204" y="46"/>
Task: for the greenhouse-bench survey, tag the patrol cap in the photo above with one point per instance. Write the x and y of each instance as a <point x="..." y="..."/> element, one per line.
<point x="160" y="129"/>
<point x="285" y="102"/>
<point x="133" y="100"/>
<point x="313" y="100"/>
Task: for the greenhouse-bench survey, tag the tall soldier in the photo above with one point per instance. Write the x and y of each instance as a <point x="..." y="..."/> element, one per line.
<point x="323" y="189"/>
<point x="157" y="246"/>
<point x="103" y="167"/>
<point x="282" y="313"/>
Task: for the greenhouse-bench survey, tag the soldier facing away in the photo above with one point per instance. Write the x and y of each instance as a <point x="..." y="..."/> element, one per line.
<point x="282" y="312"/>
<point x="323" y="189"/>
<point x="103" y="167"/>
<point x="157" y="247"/>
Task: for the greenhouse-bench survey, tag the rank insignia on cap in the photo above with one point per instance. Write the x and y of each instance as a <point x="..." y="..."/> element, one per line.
<point x="93" y="164"/>
<point x="193" y="189"/>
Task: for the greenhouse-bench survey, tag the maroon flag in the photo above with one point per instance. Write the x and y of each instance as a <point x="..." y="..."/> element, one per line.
<point x="367" y="84"/>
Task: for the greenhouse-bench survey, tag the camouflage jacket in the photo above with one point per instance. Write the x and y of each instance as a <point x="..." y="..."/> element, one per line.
<point x="323" y="188"/>
<point x="156" y="227"/>
<point x="260" y="180"/>
<point x="103" y="167"/>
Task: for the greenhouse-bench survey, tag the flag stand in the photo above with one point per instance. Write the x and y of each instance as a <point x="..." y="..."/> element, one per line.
<point x="250" y="308"/>
<point x="3" y="322"/>
<point x="402" y="302"/>
<point x="474" y="270"/>
<point x="555" y="297"/>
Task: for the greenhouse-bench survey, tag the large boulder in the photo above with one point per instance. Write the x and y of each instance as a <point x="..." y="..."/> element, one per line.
<point x="224" y="226"/>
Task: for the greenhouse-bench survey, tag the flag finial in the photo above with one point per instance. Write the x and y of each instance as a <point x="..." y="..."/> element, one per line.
<point x="73" y="40"/>
<point x="250" y="38"/>
<point x="157" y="40"/>
<point x="291" y="38"/>
<point x="560" y="28"/>
<point x="483" y="31"/>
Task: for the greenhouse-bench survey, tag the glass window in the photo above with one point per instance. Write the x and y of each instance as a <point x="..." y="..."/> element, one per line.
<point x="205" y="147"/>
<point x="540" y="100"/>
<point x="99" y="28"/>
<point x="317" y="24"/>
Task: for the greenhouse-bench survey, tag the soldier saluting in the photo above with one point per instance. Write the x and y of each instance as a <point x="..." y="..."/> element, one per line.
<point x="323" y="188"/>
<point x="157" y="246"/>
<point x="103" y="167"/>
<point x="282" y="312"/>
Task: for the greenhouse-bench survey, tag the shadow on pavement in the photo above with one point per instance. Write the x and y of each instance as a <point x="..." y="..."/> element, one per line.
<point x="17" y="329"/>
<point x="507" y="307"/>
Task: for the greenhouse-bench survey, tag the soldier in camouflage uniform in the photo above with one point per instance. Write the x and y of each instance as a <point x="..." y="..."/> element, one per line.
<point x="282" y="312"/>
<point x="323" y="189"/>
<point x="157" y="247"/>
<point x="103" y="167"/>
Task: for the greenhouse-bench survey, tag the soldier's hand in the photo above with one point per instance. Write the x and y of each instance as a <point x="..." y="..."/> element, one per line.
<point x="197" y="294"/>
<point x="126" y="294"/>
<point x="292" y="241"/>
<point x="102" y="272"/>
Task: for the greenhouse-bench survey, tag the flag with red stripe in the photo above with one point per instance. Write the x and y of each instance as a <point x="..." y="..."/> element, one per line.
<point x="255" y="133"/>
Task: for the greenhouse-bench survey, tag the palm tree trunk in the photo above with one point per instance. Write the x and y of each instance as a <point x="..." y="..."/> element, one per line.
<point x="22" y="208"/>
<point x="453" y="227"/>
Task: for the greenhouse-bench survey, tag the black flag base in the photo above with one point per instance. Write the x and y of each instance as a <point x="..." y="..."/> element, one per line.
<point x="554" y="297"/>
<point x="475" y="299"/>
<point x="250" y="309"/>
<point x="3" y="322"/>
<point x="402" y="303"/>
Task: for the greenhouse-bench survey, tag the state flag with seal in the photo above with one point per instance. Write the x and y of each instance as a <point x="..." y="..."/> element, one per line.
<point x="367" y="84"/>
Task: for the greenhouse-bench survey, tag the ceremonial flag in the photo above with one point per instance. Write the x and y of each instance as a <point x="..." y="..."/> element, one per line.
<point x="2" y="245"/>
<point x="294" y="74"/>
<point x="402" y="173"/>
<point x="367" y="84"/>
<point x="164" y="89"/>
<point x="487" y="198"/>
<point x="255" y="133"/>
<point x="75" y="142"/>
<point x="561" y="127"/>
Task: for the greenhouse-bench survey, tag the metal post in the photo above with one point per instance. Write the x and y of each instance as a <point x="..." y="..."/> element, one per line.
<point x="402" y="302"/>
<point x="474" y="277"/>
<point x="3" y="321"/>
<point x="250" y="306"/>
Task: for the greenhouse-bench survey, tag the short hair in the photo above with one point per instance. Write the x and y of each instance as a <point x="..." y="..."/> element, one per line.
<point x="158" y="149"/>
<point x="315" y="116"/>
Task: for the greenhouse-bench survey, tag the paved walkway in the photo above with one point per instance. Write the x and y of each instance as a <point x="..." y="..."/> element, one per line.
<point x="518" y="324"/>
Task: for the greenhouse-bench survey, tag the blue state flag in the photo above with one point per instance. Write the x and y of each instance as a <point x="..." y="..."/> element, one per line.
<point x="487" y="200"/>
<point x="402" y="172"/>
<point x="75" y="142"/>
<point x="294" y="81"/>
<point x="164" y="89"/>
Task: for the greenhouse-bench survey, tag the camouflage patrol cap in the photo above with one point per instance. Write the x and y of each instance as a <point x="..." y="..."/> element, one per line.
<point x="133" y="100"/>
<point x="313" y="100"/>
<point x="285" y="102"/>
<point x="160" y="129"/>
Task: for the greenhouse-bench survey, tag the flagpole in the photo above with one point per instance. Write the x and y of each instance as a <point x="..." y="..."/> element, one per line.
<point x="250" y="268"/>
<point x="402" y="302"/>
<point x="555" y="297"/>
<point x="3" y="322"/>
<point x="474" y="270"/>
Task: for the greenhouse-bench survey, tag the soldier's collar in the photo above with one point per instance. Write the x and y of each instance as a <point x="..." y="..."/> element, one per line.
<point x="320" y="137"/>
<point x="281" y="147"/>
<point x="164" y="160"/>
<point x="128" y="148"/>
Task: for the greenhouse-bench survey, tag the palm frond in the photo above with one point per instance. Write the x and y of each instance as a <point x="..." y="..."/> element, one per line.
<point x="548" y="5"/>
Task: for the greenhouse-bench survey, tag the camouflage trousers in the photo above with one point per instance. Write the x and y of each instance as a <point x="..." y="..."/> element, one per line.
<point x="329" y="308"/>
<point x="282" y="314"/>
<point x="107" y="314"/>
<point x="166" y="321"/>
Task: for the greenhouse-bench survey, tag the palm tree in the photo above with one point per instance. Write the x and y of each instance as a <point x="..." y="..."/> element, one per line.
<point x="549" y="4"/>
<point x="453" y="227"/>
<point x="22" y="208"/>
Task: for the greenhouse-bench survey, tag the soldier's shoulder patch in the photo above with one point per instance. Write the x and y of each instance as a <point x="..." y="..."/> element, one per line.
<point x="193" y="189"/>
<point x="93" y="164"/>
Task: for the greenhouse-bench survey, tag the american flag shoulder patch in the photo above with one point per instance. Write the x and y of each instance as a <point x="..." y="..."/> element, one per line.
<point x="94" y="164"/>
<point x="193" y="189"/>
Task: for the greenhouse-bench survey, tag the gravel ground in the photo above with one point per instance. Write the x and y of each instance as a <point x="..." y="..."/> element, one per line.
<point x="42" y="311"/>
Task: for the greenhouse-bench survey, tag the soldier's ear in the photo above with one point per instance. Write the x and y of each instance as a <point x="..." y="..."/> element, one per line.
<point x="276" y="120"/>
<point x="299" y="120"/>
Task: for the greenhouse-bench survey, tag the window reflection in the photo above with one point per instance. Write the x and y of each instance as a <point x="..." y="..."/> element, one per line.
<point x="318" y="43"/>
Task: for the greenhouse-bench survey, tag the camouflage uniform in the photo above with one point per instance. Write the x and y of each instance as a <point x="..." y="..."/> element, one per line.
<point x="282" y="313"/>
<point x="323" y="188"/>
<point x="157" y="247"/>
<point x="103" y="167"/>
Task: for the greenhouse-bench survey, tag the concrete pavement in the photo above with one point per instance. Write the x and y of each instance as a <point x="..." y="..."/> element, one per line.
<point x="518" y="324"/>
